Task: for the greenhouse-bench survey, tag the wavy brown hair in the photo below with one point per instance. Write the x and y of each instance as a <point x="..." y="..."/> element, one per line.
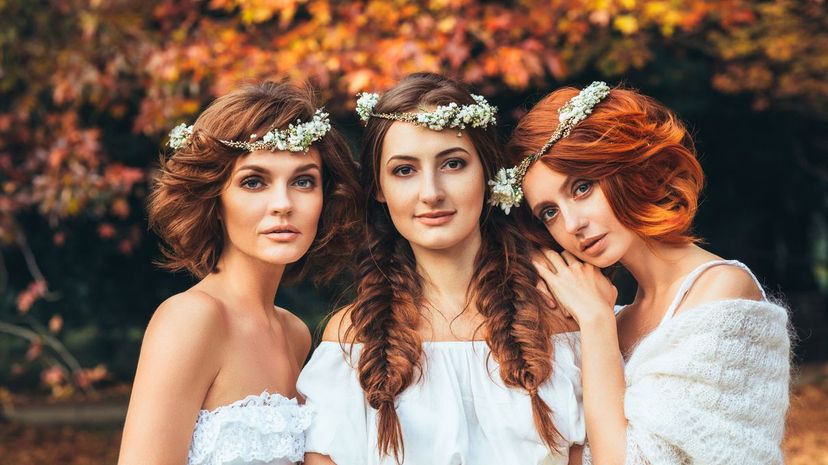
<point x="634" y="147"/>
<point x="385" y="315"/>
<point x="184" y="203"/>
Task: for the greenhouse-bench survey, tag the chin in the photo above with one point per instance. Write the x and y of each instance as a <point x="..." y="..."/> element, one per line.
<point x="440" y="240"/>
<point x="285" y="256"/>
<point x="604" y="260"/>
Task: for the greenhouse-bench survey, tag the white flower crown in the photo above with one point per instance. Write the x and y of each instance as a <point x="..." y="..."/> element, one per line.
<point x="297" y="137"/>
<point x="476" y="115"/>
<point x="506" y="190"/>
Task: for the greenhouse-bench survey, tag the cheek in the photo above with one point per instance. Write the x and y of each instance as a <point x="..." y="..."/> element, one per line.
<point x="311" y="207"/>
<point x="399" y="194"/>
<point x="469" y="189"/>
<point x="240" y="210"/>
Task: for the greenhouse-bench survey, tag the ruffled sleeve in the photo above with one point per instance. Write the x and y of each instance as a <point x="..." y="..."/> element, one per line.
<point x="342" y="418"/>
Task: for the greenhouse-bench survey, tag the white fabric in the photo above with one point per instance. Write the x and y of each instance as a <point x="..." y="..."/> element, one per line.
<point x="267" y="429"/>
<point x="709" y="386"/>
<point x="459" y="413"/>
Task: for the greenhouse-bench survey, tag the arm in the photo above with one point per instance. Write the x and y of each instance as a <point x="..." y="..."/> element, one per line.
<point x="317" y="459"/>
<point x="178" y="362"/>
<point x="576" y="455"/>
<point x="588" y="296"/>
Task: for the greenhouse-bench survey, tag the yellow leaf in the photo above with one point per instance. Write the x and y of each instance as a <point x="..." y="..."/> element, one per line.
<point x="627" y="24"/>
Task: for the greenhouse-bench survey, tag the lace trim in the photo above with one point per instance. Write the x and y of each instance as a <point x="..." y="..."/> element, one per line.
<point x="260" y="427"/>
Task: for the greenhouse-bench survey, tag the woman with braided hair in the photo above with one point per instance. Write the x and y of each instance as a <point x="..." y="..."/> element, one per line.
<point x="449" y="353"/>
<point x="696" y="369"/>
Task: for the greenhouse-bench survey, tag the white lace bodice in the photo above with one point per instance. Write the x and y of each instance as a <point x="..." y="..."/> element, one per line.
<point x="264" y="429"/>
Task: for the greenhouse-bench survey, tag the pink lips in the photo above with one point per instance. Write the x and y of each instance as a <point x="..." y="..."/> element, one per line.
<point x="282" y="233"/>
<point x="594" y="245"/>
<point x="436" y="217"/>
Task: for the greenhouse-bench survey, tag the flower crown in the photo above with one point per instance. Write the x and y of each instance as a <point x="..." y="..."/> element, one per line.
<point x="297" y="137"/>
<point x="476" y="115"/>
<point x="506" y="187"/>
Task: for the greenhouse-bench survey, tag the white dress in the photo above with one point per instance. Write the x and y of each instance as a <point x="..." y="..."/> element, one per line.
<point x="710" y="385"/>
<point x="460" y="412"/>
<point x="264" y="429"/>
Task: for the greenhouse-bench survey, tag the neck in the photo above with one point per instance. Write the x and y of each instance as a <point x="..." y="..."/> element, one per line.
<point x="657" y="267"/>
<point x="447" y="273"/>
<point x="247" y="281"/>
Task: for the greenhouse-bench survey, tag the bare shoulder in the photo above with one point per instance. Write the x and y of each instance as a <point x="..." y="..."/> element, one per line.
<point x="338" y="325"/>
<point x="298" y="333"/>
<point x="722" y="282"/>
<point x="183" y="344"/>
<point x="189" y="315"/>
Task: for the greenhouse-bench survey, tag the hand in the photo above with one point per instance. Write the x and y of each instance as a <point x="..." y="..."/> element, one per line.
<point x="578" y="288"/>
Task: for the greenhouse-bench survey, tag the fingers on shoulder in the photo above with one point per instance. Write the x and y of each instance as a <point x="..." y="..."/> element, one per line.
<point x="338" y="325"/>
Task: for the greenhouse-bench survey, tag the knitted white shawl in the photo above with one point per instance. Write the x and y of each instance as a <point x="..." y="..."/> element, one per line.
<point x="710" y="386"/>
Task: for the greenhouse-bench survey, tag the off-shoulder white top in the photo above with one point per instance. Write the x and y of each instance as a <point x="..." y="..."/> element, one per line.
<point x="459" y="413"/>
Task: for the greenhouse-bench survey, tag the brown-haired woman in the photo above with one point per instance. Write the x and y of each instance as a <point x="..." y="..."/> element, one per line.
<point x="446" y="299"/>
<point x="257" y="182"/>
<point x="696" y="368"/>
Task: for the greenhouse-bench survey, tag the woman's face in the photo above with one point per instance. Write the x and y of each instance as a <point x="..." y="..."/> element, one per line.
<point x="271" y="205"/>
<point x="433" y="184"/>
<point x="577" y="215"/>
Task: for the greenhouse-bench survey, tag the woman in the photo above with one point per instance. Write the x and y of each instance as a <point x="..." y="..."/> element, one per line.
<point x="448" y="354"/>
<point x="257" y="182"/>
<point x="696" y="368"/>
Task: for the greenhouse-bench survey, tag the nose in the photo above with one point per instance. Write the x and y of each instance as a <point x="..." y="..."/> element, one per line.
<point x="431" y="190"/>
<point x="573" y="220"/>
<point x="280" y="202"/>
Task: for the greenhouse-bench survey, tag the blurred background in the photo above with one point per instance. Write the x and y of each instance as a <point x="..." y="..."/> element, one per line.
<point x="90" y="88"/>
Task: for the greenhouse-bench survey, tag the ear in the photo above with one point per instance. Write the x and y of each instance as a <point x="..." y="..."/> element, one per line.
<point x="379" y="196"/>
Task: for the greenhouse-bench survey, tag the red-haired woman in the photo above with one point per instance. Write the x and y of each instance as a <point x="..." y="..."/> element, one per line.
<point x="696" y="368"/>
<point x="260" y="179"/>
<point x="449" y="353"/>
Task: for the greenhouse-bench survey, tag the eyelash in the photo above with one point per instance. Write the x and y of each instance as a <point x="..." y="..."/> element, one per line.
<point x="460" y="161"/>
<point x="310" y="179"/>
<point x="579" y="184"/>
<point x="575" y="193"/>
<point x="246" y="183"/>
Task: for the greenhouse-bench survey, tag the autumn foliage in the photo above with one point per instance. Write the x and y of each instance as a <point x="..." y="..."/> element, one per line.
<point x="83" y="82"/>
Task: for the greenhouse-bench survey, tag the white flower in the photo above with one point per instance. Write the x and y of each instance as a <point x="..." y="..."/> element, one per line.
<point x="297" y="137"/>
<point x="365" y="104"/>
<point x="505" y="190"/>
<point x="478" y="114"/>
<point x="580" y="106"/>
<point x="180" y="136"/>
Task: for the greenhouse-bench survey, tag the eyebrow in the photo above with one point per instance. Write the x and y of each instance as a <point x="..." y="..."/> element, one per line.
<point x="440" y="154"/>
<point x="259" y="169"/>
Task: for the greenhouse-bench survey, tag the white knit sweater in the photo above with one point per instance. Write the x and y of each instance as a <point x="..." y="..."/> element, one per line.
<point x="710" y="386"/>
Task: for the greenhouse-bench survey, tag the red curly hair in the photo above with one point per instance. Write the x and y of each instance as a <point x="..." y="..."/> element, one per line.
<point x="635" y="148"/>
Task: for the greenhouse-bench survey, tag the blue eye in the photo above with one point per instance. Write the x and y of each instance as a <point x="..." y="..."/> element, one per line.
<point x="403" y="170"/>
<point x="548" y="213"/>
<point x="252" y="183"/>
<point x="582" y="188"/>
<point x="305" y="182"/>
<point x="455" y="164"/>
